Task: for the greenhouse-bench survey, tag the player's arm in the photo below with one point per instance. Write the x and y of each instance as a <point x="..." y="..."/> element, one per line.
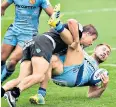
<point x="73" y="28"/>
<point x="49" y="10"/>
<point x="46" y="5"/>
<point x="70" y="33"/>
<point x="4" y="6"/>
<point x="95" y="91"/>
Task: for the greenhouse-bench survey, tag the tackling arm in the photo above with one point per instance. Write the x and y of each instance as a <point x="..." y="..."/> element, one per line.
<point x="70" y="36"/>
<point x="73" y="28"/>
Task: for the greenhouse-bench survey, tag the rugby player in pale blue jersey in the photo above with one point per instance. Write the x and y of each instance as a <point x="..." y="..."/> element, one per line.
<point x="77" y="69"/>
<point x="24" y="27"/>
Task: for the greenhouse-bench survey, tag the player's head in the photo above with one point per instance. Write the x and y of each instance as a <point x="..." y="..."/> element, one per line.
<point x="102" y="52"/>
<point x="89" y="35"/>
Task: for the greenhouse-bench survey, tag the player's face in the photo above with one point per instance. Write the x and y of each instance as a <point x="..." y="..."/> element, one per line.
<point x="88" y="39"/>
<point x="102" y="52"/>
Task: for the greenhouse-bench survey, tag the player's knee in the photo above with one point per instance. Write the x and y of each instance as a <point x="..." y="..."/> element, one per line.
<point x="18" y="80"/>
<point x="38" y="78"/>
<point x="54" y="58"/>
<point x="3" y="57"/>
<point x="11" y="64"/>
<point x="54" y="65"/>
<point x="55" y="61"/>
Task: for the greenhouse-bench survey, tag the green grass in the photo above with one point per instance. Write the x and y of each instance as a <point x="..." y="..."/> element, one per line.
<point x="105" y="23"/>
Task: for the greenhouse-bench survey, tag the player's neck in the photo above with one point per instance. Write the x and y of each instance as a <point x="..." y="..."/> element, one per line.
<point x="97" y="59"/>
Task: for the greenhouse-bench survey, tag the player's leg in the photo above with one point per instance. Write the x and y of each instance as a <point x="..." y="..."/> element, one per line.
<point x="5" y="53"/>
<point x="8" y="46"/>
<point x="40" y="55"/>
<point x="25" y="70"/>
<point x="55" y="22"/>
<point x="13" y="60"/>
<point x="39" y="98"/>
<point x="55" y="68"/>
<point x="17" y="53"/>
<point x="40" y="66"/>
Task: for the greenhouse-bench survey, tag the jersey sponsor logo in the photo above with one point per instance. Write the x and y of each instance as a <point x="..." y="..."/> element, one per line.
<point x="32" y="1"/>
<point x="38" y="50"/>
<point x="23" y="6"/>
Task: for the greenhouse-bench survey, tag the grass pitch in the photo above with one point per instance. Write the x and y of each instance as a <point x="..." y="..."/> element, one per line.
<point x="100" y="13"/>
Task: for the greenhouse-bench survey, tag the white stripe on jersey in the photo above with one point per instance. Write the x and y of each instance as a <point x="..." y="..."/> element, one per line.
<point x="91" y="61"/>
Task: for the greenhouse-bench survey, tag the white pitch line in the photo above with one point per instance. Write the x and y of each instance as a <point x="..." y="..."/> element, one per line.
<point x="111" y="65"/>
<point x="90" y="11"/>
<point x="90" y="51"/>
<point x="75" y="12"/>
<point x="113" y="49"/>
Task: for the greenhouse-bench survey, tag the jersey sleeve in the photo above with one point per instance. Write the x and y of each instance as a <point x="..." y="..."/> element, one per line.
<point x="10" y="1"/>
<point x="66" y="26"/>
<point x="45" y="4"/>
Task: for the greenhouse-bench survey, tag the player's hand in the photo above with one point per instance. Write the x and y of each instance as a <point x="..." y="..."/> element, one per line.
<point x="105" y="80"/>
<point x="74" y="45"/>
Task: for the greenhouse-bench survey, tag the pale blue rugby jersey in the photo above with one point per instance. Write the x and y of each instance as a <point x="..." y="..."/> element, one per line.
<point x="77" y="75"/>
<point x="27" y="13"/>
<point x="90" y="66"/>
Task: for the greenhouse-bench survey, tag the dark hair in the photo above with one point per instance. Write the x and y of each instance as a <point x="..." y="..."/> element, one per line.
<point x="91" y="29"/>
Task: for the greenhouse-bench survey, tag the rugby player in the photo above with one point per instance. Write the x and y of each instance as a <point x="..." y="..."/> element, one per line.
<point x="24" y="27"/>
<point x="38" y="52"/>
<point x="77" y="69"/>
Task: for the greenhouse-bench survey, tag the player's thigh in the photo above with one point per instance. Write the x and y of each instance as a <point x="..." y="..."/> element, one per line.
<point x="25" y="69"/>
<point x="40" y="65"/>
<point x="6" y="50"/>
<point x="16" y="54"/>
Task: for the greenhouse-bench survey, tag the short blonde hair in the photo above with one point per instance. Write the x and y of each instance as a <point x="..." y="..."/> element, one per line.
<point x="105" y="45"/>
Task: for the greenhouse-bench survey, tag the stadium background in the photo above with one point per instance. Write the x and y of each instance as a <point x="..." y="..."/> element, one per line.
<point x="102" y="14"/>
